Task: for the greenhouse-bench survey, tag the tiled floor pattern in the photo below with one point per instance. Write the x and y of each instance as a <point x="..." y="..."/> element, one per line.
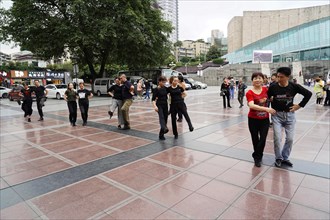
<point x="179" y="183"/>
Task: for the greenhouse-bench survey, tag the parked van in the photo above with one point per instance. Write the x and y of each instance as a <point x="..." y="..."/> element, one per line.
<point x="101" y="85"/>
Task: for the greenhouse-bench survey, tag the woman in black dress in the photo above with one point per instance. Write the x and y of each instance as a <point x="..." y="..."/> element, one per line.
<point x="225" y="90"/>
<point x="177" y="104"/>
<point x="25" y="93"/>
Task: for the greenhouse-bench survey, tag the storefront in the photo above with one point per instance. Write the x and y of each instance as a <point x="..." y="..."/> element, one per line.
<point x="55" y="77"/>
<point x="36" y="75"/>
<point x="18" y="76"/>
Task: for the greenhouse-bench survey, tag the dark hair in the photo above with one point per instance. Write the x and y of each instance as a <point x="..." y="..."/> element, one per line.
<point x="161" y="78"/>
<point x="256" y="74"/>
<point x="81" y="83"/>
<point x="180" y="77"/>
<point x="318" y="80"/>
<point x="284" y="70"/>
<point x="24" y="84"/>
<point x="172" y="78"/>
<point x="274" y="74"/>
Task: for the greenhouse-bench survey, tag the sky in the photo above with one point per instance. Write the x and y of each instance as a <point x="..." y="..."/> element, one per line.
<point x="198" y="17"/>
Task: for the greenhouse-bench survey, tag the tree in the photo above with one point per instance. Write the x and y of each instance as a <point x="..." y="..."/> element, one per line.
<point x="98" y="32"/>
<point x="213" y="53"/>
<point x="200" y="40"/>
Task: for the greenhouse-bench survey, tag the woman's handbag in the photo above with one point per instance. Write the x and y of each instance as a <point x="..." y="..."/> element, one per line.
<point x="222" y="93"/>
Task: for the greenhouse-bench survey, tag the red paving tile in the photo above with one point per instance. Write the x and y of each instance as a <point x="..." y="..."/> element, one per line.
<point x="222" y="192"/>
<point x="236" y="213"/>
<point x="138" y="209"/>
<point x="286" y="176"/>
<point x="128" y="143"/>
<point x="103" y="137"/>
<point x="170" y="215"/>
<point x="191" y="181"/>
<point x="168" y="194"/>
<point x="197" y="206"/>
<point x="23" y="176"/>
<point x="312" y="198"/>
<point x="294" y="211"/>
<point x="208" y="170"/>
<point x="261" y="205"/>
<point x="66" y="145"/>
<point x="139" y="181"/>
<point x="277" y="188"/>
<point x="54" y="167"/>
<point x="49" y="138"/>
<point x="317" y="183"/>
<point x="18" y="211"/>
<point x="237" y="178"/>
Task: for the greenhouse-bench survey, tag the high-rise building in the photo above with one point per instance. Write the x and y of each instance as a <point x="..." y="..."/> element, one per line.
<point x="215" y="35"/>
<point x="170" y="10"/>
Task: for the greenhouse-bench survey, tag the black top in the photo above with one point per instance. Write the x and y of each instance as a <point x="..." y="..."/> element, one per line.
<point x="241" y="88"/>
<point x="83" y="94"/>
<point x="39" y="91"/>
<point x="282" y="97"/>
<point x="126" y="88"/>
<point x="147" y="85"/>
<point x="26" y="94"/>
<point x="161" y="94"/>
<point x="225" y="87"/>
<point x="71" y="95"/>
<point x="117" y="91"/>
<point x="176" y="94"/>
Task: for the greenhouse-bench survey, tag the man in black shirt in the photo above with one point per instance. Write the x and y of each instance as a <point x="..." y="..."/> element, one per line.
<point x="115" y="91"/>
<point x="84" y="96"/>
<point x="41" y="98"/>
<point x="127" y="92"/>
<point x="282" y="95"/>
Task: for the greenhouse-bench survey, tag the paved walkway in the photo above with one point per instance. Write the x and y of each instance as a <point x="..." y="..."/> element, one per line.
<point x="50" y="170"/>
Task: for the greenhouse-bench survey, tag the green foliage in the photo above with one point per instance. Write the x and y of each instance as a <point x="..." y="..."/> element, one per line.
<point x="98" y="32"/>
<point x="185" y="59"/>
<point x="178" y="44"/>
<point x="200" y="40"/>
<point x="218" y="61"/>
<point x="213" y="53"/>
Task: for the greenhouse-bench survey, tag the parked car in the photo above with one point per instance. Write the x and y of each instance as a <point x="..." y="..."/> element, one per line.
<point x="56" y="90"/>
<point x="4" y="92"/>
<point x="200" y="85"/>
<point x="191" y="81"/>
<point x="188" y="86"/>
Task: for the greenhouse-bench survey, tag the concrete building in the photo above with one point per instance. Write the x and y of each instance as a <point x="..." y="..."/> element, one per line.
<point x="4" y="58"/>
<point x="216" y="35"/>
<point x="256" y="25"/>
<point x="28" y="57"/>
<point x="193" y="49"/>
<point x="170" y="10"/>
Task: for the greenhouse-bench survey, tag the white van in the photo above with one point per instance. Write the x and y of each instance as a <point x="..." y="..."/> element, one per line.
<point x="101" y="85"/>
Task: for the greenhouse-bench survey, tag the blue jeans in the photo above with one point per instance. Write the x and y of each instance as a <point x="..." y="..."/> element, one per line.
<point x="232" y="92"/>
<point x="286" y="120"/>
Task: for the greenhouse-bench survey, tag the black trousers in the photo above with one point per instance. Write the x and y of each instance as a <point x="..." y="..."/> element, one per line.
<point x="175" y="108"/>
<point x="84" y="106"/>
<point x="27" y="107"/>
<point x="180" y="113"/>
<point x="327" y="99"/>
<point x="40" y="103"/>
<point x="226" y="96"/>
<point x="72" y="105"/>
<point x="259" y="130"/>
<point x="163" y="115"/>
<point x="240" y="98"/>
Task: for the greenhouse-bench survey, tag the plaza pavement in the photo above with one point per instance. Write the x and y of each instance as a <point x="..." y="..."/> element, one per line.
<point x="50" y="170"/>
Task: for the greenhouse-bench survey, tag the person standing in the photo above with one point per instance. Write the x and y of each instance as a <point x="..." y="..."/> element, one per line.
<point x="84" y="95"/>
<point x="147" y="87"/>
<point x="177" y="104"/>
<point x="70" y="96"/>
<point x="241" y="92"/>
<point x="26" y="93"/>
<point x="327" y="90"/>
<point x="41" y="94"/>
<point x="318" y="89"/>
<point x="159" y="101"/>
<point x="139" y="89"/>
<point x="115" y="91"/>
<point x="282" y="96"/>
<point x="258" y="117"/>
<point x="232" y="88"/>
<point x="127" y="93"/>
<point x="224" y="90"/>
<point x="183" y="85"/>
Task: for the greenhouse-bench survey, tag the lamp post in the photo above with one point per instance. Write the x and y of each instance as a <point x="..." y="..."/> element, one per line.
<point x="200" y="71"/>
<point x="75" y="68"/>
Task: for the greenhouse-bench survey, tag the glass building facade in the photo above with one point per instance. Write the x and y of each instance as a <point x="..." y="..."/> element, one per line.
<point x="309" y="41"/>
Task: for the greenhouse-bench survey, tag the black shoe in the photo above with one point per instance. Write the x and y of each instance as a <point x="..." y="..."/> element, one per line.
<point x="166" y="130"/>
<point x="29" y="119"/>
<point x="179" y="120"/>
<point x="84" y="124"/>
<point x="229" y="107"/>
<point x="240" y="106"/>
<point x="110" y="113"/>
<point x="278" y="162"/>
<point x="176" y="136"/>
<point x="257" y="163"/>
<point x="25" y="115"/>
<point x="73" y="124"/>
<point x="287" y="162"/>
<point x="119" y="126"/>
<point x="40" y="119"/>
<point x="126" y="127"/>
<point x="191" y="129"/>
<point x="162" y="138"/>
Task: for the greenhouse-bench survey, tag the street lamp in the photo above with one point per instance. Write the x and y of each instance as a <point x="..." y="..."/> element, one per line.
<point x="199" y="71"/>
<point x="75" y="68"/>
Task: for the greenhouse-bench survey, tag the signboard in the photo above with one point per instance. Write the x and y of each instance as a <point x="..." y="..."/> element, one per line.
<point x="18" y="74"/>
<point x="55" y="75"/>
<point x="262" y="56"/>
<point x="36" y="74"/>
